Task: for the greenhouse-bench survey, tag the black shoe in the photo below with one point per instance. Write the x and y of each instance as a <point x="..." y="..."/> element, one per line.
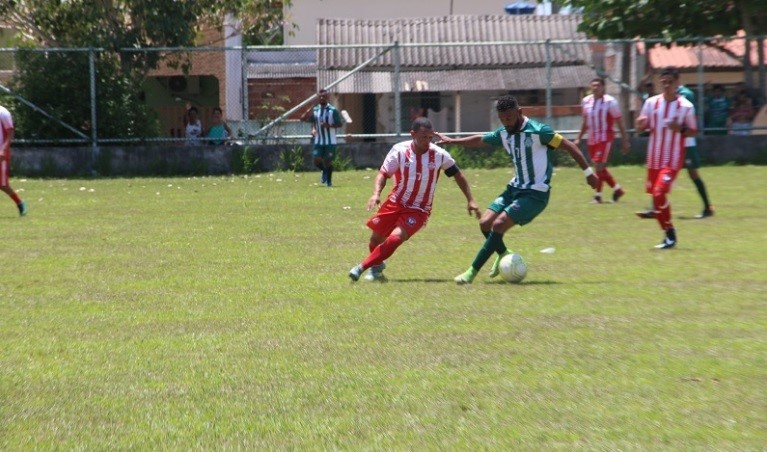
<point x="617" y="194"/>
<point x="669" y="241"/>
<point x="705" y="214"/>
<point x="646" y="214"/>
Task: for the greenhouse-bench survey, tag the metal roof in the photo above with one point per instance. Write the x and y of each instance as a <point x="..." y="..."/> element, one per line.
<point x="469" y="29"/>
<point x="516" y="79"/>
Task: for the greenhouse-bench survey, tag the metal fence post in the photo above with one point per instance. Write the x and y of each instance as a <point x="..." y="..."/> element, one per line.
<point x="549" y="69"/>
<point x="397" y="93"/>
<point x="94" y="116"/>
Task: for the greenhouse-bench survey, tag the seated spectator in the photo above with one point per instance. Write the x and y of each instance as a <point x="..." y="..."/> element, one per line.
<point x="741" y="115"/>
<point x="219" y="130"/>
<point x="192" y="127"/>
<point x="717" y="112"/>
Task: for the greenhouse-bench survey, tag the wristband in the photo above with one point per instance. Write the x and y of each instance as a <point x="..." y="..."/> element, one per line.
<point x="588" y="172"/>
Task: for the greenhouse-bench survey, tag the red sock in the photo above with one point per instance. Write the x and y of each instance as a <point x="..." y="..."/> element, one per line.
<point x="382" y="251"/>
<point x="15" y="197"/>
<point x="662" y="210"/>
<point x="605" y="175"/>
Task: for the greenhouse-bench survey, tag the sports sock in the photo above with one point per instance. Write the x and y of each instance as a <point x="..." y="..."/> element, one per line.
<point x="329" y="175"/>
<point x="15" y="197"/>
<point x="493" y="244"/>
<point x="663" y="208"/>
<point x="382" y="251"/>
<point x="702" y="191"/>
<point x="604" y="175"/>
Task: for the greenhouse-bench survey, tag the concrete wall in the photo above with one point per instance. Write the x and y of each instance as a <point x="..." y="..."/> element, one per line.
<point x="207" y="160"/>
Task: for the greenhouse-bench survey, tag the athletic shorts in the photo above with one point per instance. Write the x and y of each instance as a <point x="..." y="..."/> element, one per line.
<point x="600" y="152"/>
<point x="660" y="180"/>
<point x="392" y="214"/>
<point x="691" y="157"/>
<point x="325" y="152"/>
<point x="520" y="205"/>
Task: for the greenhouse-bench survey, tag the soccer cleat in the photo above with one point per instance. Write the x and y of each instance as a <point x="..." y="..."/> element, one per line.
<point x="669" y="241"/>
<point x="22" y="208"/>
<point x="356" y="272"/>
<point x="645" y="214"/>
<point x="466" y="277"/>
<point x="706" y="213"/>
<point x="495" y="269"/>
<point x="596" y="200"/>
<point x="376" y="273"/>
<point x="617" y="194"/>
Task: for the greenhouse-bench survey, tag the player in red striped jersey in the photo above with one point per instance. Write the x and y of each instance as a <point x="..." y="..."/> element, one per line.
<point x="6" y="137"/>
<point x="415" y="166"/>
<point x="601" y="113"/>
<point x="670" y="118"/>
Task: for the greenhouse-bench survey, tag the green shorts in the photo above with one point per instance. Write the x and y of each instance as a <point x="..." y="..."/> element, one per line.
<point x="691" y="157"/>
<point x="325" y="152"/>
<point x="521" y="205"/>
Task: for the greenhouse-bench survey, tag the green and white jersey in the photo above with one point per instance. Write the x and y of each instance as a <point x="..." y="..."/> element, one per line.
<point x="531" y="151"/>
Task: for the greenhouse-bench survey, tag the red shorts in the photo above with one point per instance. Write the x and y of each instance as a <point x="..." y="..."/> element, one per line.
<point x="600" y="152"/>
<point x="660" y="180"/>
<point x="391" y="215"/>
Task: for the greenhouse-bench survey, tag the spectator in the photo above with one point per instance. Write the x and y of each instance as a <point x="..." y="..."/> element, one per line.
<point x="717" y="112"/>
<point x="192" y="127"/>
<point x="326" y="120"/>
<point x="742" y="114"/>
<point x="219" y="130"/>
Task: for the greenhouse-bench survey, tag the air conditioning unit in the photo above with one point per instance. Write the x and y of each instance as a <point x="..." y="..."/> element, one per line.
<point x="186" y="85"/>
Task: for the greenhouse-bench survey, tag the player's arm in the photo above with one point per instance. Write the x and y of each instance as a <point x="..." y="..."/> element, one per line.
<point x="584" y="127"/>
<point x="378" y="186"/>
<point x="473" y="141"/>
<point x="463" y="184"/>
<point x="625" y="145"/>
<point x="577" y="155"/>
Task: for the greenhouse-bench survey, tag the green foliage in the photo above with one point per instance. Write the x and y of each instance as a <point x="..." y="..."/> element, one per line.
<point x="245" y="160"/>
<point x="292" y="159"/>
<point x="488" y="158"/>
<point x="669" y="19"/>
<point x="49" y="79"/>
<point x="343" y="162"/>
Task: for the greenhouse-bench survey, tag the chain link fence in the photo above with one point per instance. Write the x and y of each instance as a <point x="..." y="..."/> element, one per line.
<point x="94" y="97"/>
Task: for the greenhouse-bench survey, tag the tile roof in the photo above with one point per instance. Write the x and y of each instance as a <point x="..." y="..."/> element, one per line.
<point x="726" y="54"/>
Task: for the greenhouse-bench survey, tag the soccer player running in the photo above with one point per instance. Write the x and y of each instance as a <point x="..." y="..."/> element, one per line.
<point x="600" y="113"/>
<point x="6" y="136"/>
<point x="670" y="118"/>
<point x="415" y="166"/>
<point x="325" y="119"/>
<point x="692" y="163"/>
<point x="530" y="144"/>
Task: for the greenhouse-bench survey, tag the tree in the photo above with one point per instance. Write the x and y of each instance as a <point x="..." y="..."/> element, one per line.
<point x="114" y="25"/>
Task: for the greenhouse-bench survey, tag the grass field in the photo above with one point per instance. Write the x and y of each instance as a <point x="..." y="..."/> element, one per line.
<point x="209" y="313"/>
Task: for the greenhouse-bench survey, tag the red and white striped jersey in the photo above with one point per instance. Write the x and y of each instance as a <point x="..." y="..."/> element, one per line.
<point x="6" y="125"/>
<point x="415" y="176"/>
<point x="665" y="148"/>
<point x="599" y="116"/>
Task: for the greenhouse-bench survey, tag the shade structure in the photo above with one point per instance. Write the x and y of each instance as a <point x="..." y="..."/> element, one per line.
<point x="520" y="7"/>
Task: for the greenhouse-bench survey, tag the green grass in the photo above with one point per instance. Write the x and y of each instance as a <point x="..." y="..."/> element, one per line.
<point x="208" y="313"/>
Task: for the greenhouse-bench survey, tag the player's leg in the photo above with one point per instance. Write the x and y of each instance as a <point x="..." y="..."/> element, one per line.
<point x="318" y="160"/>
<point x="527" y="205"/>
<point x="692" y="163"/>
<point x="6" y="187"/>
<point x="488" y="218"/>
<point x="328" y="157"/>
<point x="649" y="183"/>
<point x="662" y="204"/>
<point x="596" y="151"/>
<point x="376" y="271"/>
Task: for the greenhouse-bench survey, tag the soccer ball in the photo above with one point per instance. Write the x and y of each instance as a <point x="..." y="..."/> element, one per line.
<point x="513" y="268"/>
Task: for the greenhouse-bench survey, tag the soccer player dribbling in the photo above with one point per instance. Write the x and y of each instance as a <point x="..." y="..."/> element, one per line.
<point x="415" y="166"/>
<point x="670" y="118"/>
<point x="6" y="136"/>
